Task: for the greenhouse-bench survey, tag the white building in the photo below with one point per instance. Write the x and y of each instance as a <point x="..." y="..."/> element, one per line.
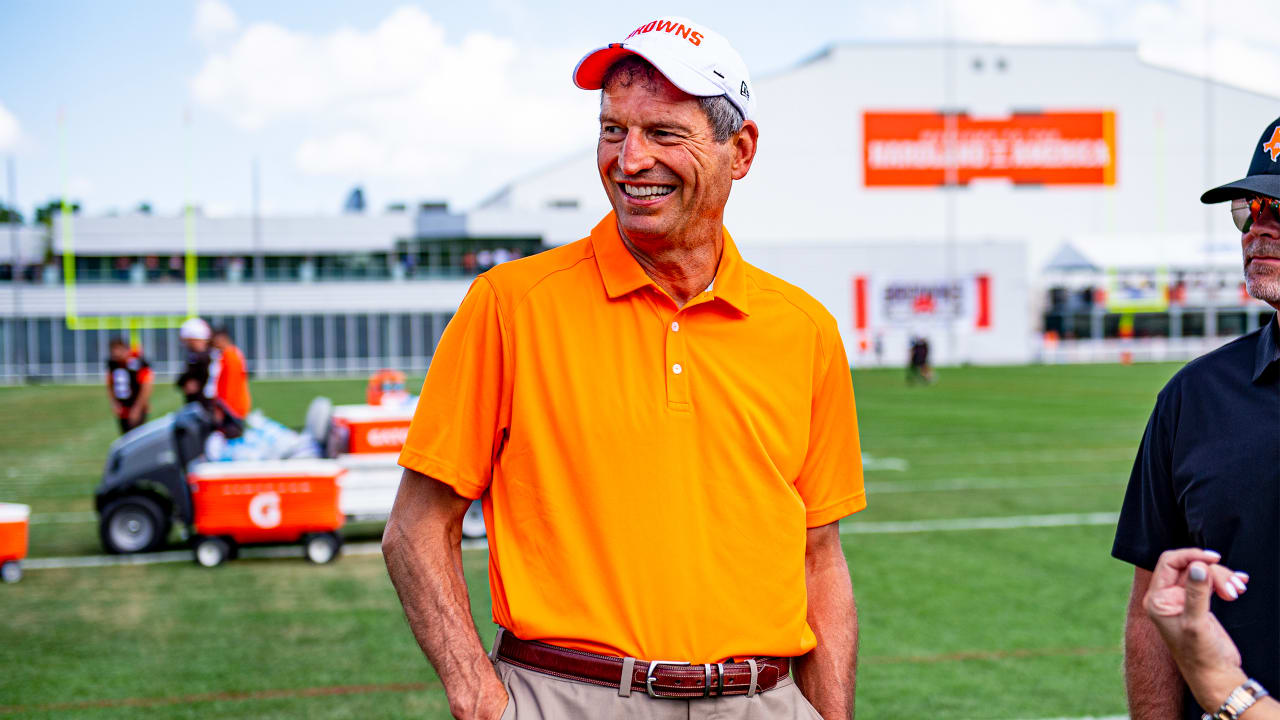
<point x="1054" y="147"/>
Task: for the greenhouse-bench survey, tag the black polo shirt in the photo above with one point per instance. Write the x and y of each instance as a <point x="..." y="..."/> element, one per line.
<point x="1206" y="475"/>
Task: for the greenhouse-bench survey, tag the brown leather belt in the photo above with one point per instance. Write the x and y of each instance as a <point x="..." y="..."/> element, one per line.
<point x="657" y="678"/>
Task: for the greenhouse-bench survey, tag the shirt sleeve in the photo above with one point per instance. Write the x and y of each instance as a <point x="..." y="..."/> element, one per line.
<point x="463" y="413"/>
<point x="830" y="482"/>
<point x="1150" y="519"/>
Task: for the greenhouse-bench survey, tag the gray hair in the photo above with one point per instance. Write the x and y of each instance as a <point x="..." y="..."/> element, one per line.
<point x="724" y="117"/>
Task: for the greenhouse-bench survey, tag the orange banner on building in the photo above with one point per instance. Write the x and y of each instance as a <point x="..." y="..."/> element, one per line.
<point x="903" y="149"/>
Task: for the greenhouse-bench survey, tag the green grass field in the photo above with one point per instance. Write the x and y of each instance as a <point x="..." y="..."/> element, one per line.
<point x="1012" y="623"/>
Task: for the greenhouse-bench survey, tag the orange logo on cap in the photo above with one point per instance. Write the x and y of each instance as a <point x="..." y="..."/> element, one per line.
<point x="1273" y="145"/>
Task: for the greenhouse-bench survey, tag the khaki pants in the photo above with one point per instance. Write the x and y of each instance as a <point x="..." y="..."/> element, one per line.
<point x="537" y="696"/>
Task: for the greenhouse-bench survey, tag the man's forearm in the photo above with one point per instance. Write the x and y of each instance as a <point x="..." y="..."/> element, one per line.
<point x="424" y="560"/>
<point x="826" y="675"/>
<point x="1151" y="679"/>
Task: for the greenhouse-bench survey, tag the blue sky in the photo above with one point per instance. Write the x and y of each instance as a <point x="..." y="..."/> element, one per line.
<point x="426" y="100"/>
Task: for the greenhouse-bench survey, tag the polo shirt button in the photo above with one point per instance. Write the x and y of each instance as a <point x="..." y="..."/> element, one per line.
<point x="677" y="369"/>
<point x="675" y="327"/>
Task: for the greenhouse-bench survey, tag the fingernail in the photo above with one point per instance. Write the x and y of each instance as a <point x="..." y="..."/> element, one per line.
<point x="1198" y="573"/>
<point x="1243" y="574"/>
<point x="1238" y="583"/>
<point x="1216" y="555"/>
<point x="1232" y="592"/>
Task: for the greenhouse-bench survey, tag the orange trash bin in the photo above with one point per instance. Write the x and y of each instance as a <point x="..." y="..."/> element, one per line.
<point x="272" y="501"/>
<point x="14" y="521"/>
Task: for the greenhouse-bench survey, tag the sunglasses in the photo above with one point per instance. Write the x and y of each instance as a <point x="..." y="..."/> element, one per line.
<point x="1246" y="211"/>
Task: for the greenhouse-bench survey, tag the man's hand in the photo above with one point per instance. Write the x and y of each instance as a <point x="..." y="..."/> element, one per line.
<point x="1177" y="601"/>
<point x="135" y="414"/>
<point x="826" y="674"/>
<point x="423" y="552"/>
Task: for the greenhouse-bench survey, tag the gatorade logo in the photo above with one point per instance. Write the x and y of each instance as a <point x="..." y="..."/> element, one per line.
<point x="264" y="510"/>
<point x="1273" y="145"/>
<point x="387" y="436"/>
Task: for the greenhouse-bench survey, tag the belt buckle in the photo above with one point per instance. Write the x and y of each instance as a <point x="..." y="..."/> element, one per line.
<point x="648" y="676"/>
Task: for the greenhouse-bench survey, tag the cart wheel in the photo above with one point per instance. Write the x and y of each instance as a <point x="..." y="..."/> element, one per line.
<point x="11" y="572"/>
<point x="212" y="551"/>
<point x="322" y="548"/>
<point x="473" y="522"/>
<point x="133" y="524"/>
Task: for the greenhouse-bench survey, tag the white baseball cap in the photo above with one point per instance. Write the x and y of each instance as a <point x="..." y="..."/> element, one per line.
<point x="693" y="57"/>
<point x="195" y="329"/>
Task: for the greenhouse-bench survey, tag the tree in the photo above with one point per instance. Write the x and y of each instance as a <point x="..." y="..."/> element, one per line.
<point x="144" y="208"/>
<point x="45" y="213"/>
<point x="9" y="215"/>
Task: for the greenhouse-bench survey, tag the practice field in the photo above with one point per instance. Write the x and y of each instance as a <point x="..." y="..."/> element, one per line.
<point x="984" y="584"/>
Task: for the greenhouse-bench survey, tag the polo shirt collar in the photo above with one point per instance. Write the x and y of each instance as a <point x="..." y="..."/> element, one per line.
<point x="1268" y="351"/>
<point x="622" y="274"/>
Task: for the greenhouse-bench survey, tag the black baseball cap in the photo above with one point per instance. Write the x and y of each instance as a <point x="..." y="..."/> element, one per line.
<point x="1264" y="171"/>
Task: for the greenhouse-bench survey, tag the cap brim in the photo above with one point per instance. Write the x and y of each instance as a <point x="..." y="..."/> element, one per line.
<point x="1268" y="185"/>
<point x="589" y="74"/>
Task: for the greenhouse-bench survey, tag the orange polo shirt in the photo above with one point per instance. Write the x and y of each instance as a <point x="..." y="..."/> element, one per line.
<point x="648" y="472"/>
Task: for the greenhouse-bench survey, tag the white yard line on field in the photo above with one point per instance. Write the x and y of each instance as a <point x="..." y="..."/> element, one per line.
<point x="63" y="517"/>
<point x="1014" y="522"/>
<point x="373" y="548"/>
<point x="971" y="483"/>
<point x="874" y="488"/>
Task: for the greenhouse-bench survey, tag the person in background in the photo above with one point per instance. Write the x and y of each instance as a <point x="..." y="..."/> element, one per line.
<point x="1177" y="603"/>
<point x="919" y="371"/>
<point x="195" y="334"/>
<point x="228" y="376"/>
<point x="128" y="384"/>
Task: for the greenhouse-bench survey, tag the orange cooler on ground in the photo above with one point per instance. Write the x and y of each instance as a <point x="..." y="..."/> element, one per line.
<point x="14" y="520"/>
<point x="266" y="502"/>
<point x="372" y="428"/>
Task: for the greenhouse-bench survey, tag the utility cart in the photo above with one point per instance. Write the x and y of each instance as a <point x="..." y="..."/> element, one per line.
<point x="267" y="502"/>
<point x="14" y="519"/>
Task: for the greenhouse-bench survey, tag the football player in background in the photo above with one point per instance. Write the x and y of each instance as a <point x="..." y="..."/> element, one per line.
<point x="128" y="384"/>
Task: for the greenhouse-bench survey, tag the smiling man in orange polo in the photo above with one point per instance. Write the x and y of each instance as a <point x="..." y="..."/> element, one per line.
<point x="663" y="436"/>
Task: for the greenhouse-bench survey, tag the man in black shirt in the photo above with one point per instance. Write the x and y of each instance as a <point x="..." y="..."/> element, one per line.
<point x="1208" y="467"/>
<point x="128" y="385"/>
<point x="193" y="383"/>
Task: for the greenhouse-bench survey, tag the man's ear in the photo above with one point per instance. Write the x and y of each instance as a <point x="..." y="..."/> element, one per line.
<point x="744" y="148"/>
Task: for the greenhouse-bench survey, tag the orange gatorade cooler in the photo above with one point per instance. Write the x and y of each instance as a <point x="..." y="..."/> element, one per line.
<point x="14" y="519"/>
<point x="369" y="428"/>
<point x="270" y="501"/>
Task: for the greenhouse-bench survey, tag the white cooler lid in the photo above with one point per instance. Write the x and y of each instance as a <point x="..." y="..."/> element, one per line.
<point x="373" y="413"/>
<point x="238" y="470"/>
<point x="13" y="512"/>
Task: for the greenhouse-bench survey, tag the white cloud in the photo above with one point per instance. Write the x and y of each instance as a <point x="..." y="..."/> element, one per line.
<point x="10" y="130"/>
<point x="213" y="20"/>
<point x="402" y="101"/>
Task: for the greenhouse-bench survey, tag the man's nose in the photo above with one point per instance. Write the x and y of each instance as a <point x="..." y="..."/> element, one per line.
<point x="635" y="155"/>
<point x="1267" y="224"/>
